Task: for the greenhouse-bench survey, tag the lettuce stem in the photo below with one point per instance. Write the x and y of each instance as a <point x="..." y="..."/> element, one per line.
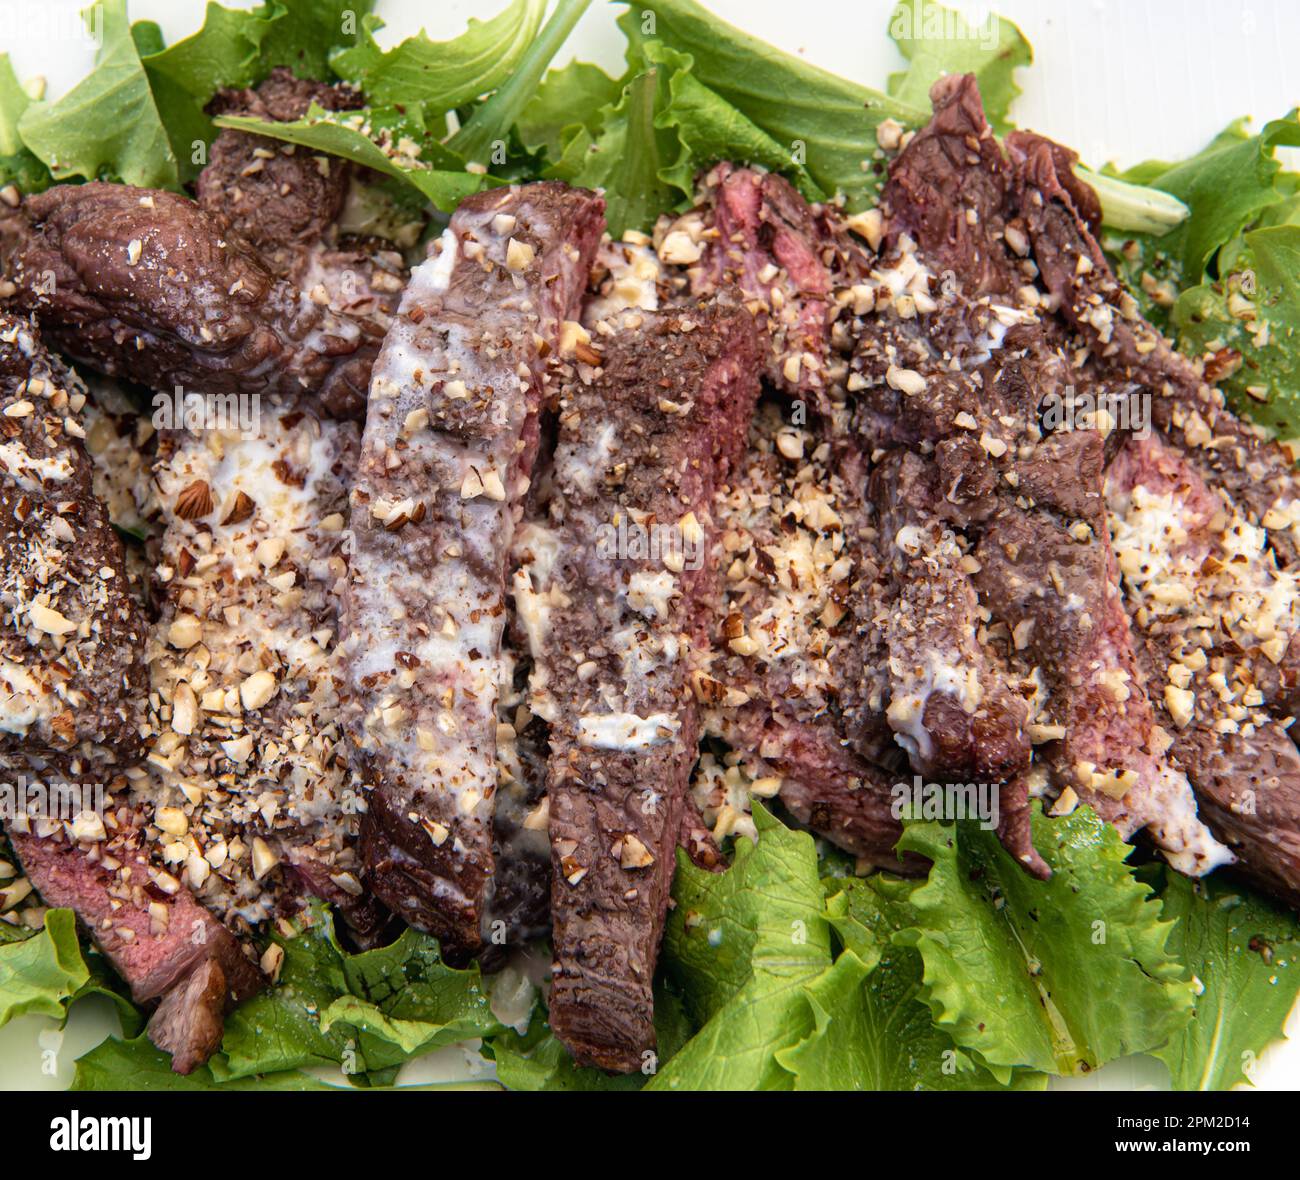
<point x="493" y="120"/>
<point x="1134" y="208"/>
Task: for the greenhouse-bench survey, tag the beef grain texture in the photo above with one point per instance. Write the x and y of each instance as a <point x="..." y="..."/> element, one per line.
<point x="646" y="436"/>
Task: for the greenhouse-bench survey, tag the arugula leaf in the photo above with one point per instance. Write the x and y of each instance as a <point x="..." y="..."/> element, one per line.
<point x="876" y="1033"/>
<point x="375" y="138"/>
<point x="443" y="74"/>
<point x="1253" y="308"/>
<point x="117" y="1064"/>
<point x="369" y="1011"/>
<point x="938" y="40"/>
<point x="1058" y="976"/>
<point x="41" y="974"/>
<point x="824" y="123"/>
<point x="107" y="125"/>
<point x="1242" y="950"/>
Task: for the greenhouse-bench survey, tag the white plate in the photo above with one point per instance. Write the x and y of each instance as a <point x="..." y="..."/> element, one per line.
<point x="1115" y="80"/>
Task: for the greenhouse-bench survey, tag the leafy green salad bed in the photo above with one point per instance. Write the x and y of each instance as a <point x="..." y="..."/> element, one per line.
<point x="786" y="971"/>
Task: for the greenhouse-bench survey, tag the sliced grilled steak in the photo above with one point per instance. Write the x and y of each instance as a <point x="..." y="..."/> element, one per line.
<point x="74" y="701"/>
<point x="1050" y="574"/>
<point x="147" y="286"/>
<point x="157" y="937"/>
<point x="71" y="629"/>
<point x="970" y="374"/>
<point x="1219" y="621"/>
<point x="451" y="434"/>
<point x="244" y="669"/>
<point x="950" y="705"/>
<point x="947" y="192"/>
<point x="1230" y="454"/>
<point x="616" y="604"/>
<point x="754" y="236"/>
<point x="791" y="679"/>
<point x="278" y="197"/>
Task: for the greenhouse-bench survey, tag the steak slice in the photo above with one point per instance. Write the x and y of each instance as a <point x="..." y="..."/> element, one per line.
<point x="280" y="198"/>
<point x="1192" y="416"/>
<point x="1014" y="503"/>
<point x="1050" y="574"/>
<point x="71" y="628"/>
<point x="147" y="286"/>
<point x="616" y="605"/>
<point x="156" y="936"/>
<point x="1219" y="619"/>
<point x="451" y="435"/>
<point x="248" y="748"/>
<point x="947" y="192"/>
<point x="754" y="236"/>
<point x="950" y="705"/>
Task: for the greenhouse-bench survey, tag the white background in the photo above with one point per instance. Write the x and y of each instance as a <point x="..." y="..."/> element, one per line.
<point x="1117" y="81"/>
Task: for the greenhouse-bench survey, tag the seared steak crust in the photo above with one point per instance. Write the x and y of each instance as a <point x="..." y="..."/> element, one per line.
<point x="147" y="286"/>
<point x="646" y="436"/>
<point x="278" y="197"/>
<point x="451" y="434"/>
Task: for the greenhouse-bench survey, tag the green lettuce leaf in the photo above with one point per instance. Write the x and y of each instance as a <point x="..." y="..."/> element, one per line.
<point x="710" y="128"/>
<point x="1253" y="308"/>
<point x="1225" y="186"/>
<point x="571" y="97"/>
<point x="43" y="973"/>
<point x="741" y="946"/>
<point x="873" y="1031"/>
<point x="445" y="74"/>
<point x="938" y="40"/>
<point x="485" y="135"/>
<point x="1242" y="951"/>
<point x="117" y="1064"/>
<point x="373" y="137"/>
<point x="368" y="1012"/>
<point x="1057" y="976"/>
<point x="18" y="164"/>
<point x="108" y="125"/>
<point x="303" y="34"/>
<point x="823" y="123"/>
<point x="624" y="158"/>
